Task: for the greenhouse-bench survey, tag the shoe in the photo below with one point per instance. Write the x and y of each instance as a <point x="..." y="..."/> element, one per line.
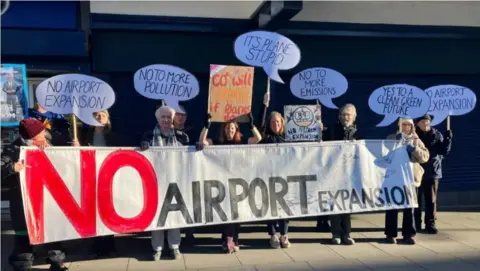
<point x="228" y="245"/>
<point x="409" y="240"/>
<point x="58" y="267"/>
<point x="176" y="253"/>
<point x="391" y="240"/>
<point x="336" y="240"/>
<point x="284" y="243"/>
<point x="348" y="241"/>
<point x="274" y="242"/>
<point x="236" y="247"/>
<point x="157" y="255"/>
<point x="431" y="229"/>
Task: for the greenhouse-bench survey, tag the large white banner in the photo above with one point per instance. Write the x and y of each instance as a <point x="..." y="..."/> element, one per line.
<point x="74" y="193"/>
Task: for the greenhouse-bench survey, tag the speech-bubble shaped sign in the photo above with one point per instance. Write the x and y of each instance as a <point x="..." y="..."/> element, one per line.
<point x="79" y="94"/>
<point x="268" y="50"/>
<point x="319" y="83"/>
<point x="450" y="100"/>
<point x="398" y="101"/>
<point x="168" y="83"/>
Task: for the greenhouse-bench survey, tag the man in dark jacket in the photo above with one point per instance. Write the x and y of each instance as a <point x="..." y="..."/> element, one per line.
<point x="11" y="89"/>
<point x="32" y="133"/>
<point x="439" y="146"/>
<point x="345" y="129"/>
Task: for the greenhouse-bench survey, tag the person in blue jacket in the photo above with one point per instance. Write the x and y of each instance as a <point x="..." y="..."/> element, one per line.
<point x="57" y="126"/>
<point x="439" y="146"/>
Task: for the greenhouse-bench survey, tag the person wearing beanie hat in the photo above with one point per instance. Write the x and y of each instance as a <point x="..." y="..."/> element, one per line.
<point x="439" y="146"/>
<point x="418" y="155"/>
<point x="32" y="133"/>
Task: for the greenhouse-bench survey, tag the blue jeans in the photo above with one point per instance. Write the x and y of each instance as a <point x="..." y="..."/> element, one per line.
<point x="282" y="226"/>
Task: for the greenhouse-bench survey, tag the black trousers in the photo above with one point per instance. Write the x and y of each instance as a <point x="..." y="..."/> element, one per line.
<point x="341" y="225"/>
<point x="428" y="190"/>
<point x="408" y="223"/>
<point x="22" y="256"/>
<point x="231" y="230"/>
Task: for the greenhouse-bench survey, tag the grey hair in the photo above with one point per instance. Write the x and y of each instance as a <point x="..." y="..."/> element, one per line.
<point x="164" y="108"/>
<point x="347" y="106"/>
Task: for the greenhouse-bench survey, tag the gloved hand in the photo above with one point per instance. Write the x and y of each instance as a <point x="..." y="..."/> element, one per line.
<point x="207" y="122"/>
<point x="144" y="145"/>
<point x="399" y="136"/>
<point x="199" y="146"/>
<point x="250" y="120"/>
<point x="448" y="135"/>
<point x="410" y="148"/>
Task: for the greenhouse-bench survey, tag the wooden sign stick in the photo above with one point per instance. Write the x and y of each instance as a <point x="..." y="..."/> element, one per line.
<point x="266" y="106"/>
<point x="448" y="123"/>
<point x="74" y="123"/>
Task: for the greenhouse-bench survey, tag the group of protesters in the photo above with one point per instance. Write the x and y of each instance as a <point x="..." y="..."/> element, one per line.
<point x="426" y="147"/>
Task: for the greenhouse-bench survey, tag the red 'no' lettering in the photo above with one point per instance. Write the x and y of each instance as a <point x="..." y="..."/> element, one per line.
<point x="83" y="217"/>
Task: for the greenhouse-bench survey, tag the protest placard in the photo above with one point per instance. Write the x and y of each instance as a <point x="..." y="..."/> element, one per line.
<point x="71" y="193"/>
<point x="319" y="83"/>
<point x="398" y="101"/>
<point x="230" y="93"/>
<point x="450" y="100"/>
<point x="268" y="50"/>
<point x="166" y="82"/>
<point x="301" y="123"/>
<point x="14" y="94"/>
<point x="77" y="94"/>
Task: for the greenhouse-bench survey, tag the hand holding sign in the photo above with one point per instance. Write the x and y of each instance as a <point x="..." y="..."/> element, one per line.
<point x="269" y="50"/>
<point x="319" y="83"/>
<point x="79" y="94"/>
<point x="449" y="100"/>
<point x="398" y="101"/>
<point x="164" y="82"/>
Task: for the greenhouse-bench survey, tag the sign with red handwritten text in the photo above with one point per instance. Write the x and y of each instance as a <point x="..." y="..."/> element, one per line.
<point x="230" y="93"/>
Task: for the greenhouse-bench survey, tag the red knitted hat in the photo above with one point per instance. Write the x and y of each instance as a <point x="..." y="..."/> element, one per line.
<point x="30" y="127"/>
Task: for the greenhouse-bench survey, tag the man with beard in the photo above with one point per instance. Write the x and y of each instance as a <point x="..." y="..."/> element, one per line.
<point x="345" y="129"/>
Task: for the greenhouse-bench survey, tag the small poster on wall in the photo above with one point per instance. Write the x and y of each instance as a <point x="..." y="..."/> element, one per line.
<point x="230" y="93"/>
<point x="301" y="123"/>
<point x="14" y="95"/>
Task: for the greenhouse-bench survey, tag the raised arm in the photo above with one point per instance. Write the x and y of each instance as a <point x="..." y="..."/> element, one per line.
<point x="203" y="135"/>
<point x="257" y="137"/>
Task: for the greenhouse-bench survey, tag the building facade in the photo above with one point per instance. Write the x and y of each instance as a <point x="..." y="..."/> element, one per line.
<point x="371" y="43"/>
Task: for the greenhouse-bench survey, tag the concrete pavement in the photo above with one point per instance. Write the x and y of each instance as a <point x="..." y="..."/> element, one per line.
<point x="457" y="247"/>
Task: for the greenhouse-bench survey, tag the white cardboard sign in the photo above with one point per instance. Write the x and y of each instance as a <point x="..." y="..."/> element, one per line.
<point x="450" y="100"/>
<point x="79" y="94"/>
<point x="168" y="83"/>
<point x="268" y="50"/>
<point x="319" y="83"/>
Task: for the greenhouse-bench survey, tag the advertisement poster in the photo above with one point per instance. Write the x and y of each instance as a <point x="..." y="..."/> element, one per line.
<point x="14" y="94"/>
<point x="230" y="93"/>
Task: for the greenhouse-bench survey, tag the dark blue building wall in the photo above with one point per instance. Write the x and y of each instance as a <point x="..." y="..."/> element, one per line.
<point x="41" y="15"/>
<point x="45" y="35"/>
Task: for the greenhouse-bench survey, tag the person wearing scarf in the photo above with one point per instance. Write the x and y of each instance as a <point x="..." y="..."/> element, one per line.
<point x="57" y="126"/>
<point x="418" y="154"/>
<point x="31" y="133"/>
<point x="229" y="135"/>
<point x="164" y="135"/>
<point x="345" y="129"/>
